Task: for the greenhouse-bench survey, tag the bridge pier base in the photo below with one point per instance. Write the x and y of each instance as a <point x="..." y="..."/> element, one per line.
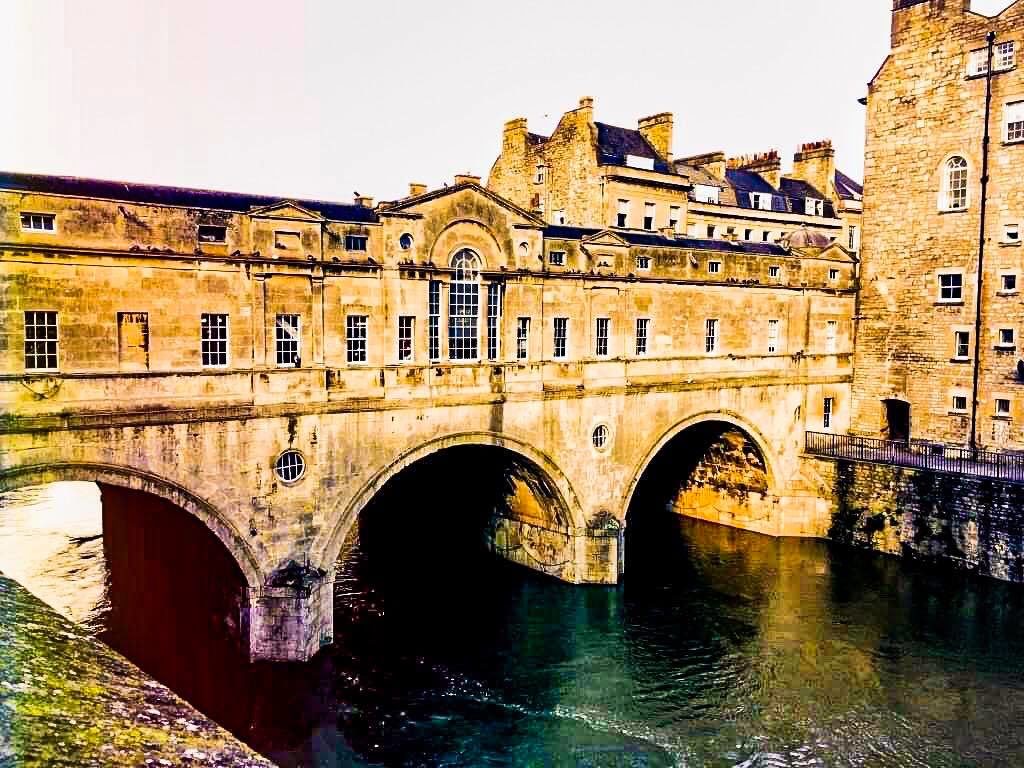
<point x="292" y="616"/>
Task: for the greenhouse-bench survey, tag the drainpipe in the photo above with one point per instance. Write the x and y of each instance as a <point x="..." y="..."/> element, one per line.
<point x="991" y="39"/>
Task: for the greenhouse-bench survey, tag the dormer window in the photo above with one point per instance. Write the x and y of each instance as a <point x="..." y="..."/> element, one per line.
<point x="209" y="233"/>
<point x="814" y="207"/>
<point x="761" y="200"/>
<point x="705" y="193"/>
<point x="38" y="222"/>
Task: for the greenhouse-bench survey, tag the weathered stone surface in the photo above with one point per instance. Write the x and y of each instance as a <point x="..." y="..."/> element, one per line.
<point x="66" y="699"/>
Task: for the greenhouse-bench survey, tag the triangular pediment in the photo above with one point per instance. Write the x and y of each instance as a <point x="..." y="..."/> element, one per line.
<point x="605" y="239"/>
<point x="833" y="252"/>
<point x="286" y="209"/>
<point x="421" y="203"/>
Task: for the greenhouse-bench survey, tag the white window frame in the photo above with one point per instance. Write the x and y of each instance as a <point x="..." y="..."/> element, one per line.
<point x="814" y="207"/>
<point x="352" y="239"/>
<point x="204" y="330"/>
<point x="1013" y="121"/>
<point x="282" y="344"/>
<point x="705" y="193"/>
<point x="643" y="263"/>
<point x="556" y="258"/>
<point x="977" y="62"/>
<point x="522" y="338"/>
<point x="961" y="339"/>
<point x="1003" y="280"/>
<point x="43" y="219"/>
<point x="464" y="306"/>
<point x="45" y="340"/>
<point x="774" y="271"/>
<point x="828" y="412"/>
<point x="761" y="200"/>
<point x="538" y="177"/>
<point x="357" y="339"/>
<point x="948" y="273"/>
<point x="711" y="335"/>
<point x="622" y="213"/>
<point x="833" y="274"/>
<point x="853" y="238"/>
<point x="560" y="341"/>
<point x="406" y="350"/>
<point x="1006" y="338"/>
<point x="773" y="336"/>
<point x="714" y="267"/>
<point x="953" y="406"/>
<point x="950" y="198"/>
<point x="602" y="332"/>
<point x="650" y="215"/>
<point x="643" y="336"/>
<point x="675" y="217"/>
<point x="1000" y="410"/>
<point x="1011" y="233"/>
<point x="1004" y="57"/>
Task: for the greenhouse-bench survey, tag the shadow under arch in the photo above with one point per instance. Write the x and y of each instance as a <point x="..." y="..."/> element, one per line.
<point x="325" y="551"/>
<point x="138" y="480"/>
<point x="696" y="419"/>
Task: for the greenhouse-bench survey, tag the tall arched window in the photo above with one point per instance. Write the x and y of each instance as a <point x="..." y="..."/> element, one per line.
<point x="954" y="184"/>
<point x="464" y="307"/>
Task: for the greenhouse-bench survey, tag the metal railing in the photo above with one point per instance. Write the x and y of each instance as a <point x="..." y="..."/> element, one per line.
<point x="919" y="454"/>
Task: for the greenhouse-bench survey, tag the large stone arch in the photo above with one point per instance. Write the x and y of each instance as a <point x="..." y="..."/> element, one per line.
<point x="472" y="234"/>
<point x="326" y="549"/>
<point x="134" y="479"/>
<point x="727" y="417"/>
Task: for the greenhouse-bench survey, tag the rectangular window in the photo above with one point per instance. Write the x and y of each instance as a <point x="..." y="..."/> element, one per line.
<point x="951" y="286"/>
<point x="522" y="338"/>
<point x="852" y="239"/>
<point x="1011" y="233"/>
<point x="557" y="258"/>
<point x="1002" y="406"/>
<point x="1014" y="119"/>
<point x="710" y="335"/>
<point x="495" y="302"/>
<point x="356" y="338"/>
<point x="704" y="193"/>
<point x="558" y="217"/>
<point x="765" y="235"/>
<point x="714" y="267"/>
<point x="648" y="215"/>
<point x="1008" y="283"/>
<point x="814" y="207"/>
<point x="831" y="332"/>
<point x="434" y="320"/>
<point x="214" y="340"/>
<point x="643" y="327"/>
<point x="622" y="217"/>
<point x="962" y="344"/>
<point x="773" y="336"/>
<point x="406" y="333"/>
<point x="711" y="231"/>
<point x="673" y="217"/>
<point x="960" y="403"/>
<point x="643" y="263"/>
<point x="538" y="177"/>
<point x="41" y="341"/>
<point x="761" y="200"/>
<point x="748" y="234"/>
<point x="833" y="274"/>
<point x="1005" y="56"/>
<point x="355" y="242"/>
<point x="210" y="233"/>
<point x="826" y="412"/>
<point x="601" y="337"/>
<point x="1006" y="337"/>
<point x="977" y="62"/>
<point x="133" y="340"/>
<point x="287" y="340"/>
<point x="774" y="270"/>
<point x="463" y="319"/>
<point x="38" y="222"/>
<point x="561" y="336"/>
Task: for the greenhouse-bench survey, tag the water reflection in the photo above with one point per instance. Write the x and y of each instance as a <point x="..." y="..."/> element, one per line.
<point x="720" y="649"/>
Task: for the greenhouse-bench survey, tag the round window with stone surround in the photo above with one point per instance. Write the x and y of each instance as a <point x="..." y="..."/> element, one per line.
<point x="405" y="241"/>
<point x="290" y="467"/>
<point x="600" y="437"/>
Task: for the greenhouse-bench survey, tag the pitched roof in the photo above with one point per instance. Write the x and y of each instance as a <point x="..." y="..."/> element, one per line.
<point x="614" y="143"/>
<point x="847" y="188"/>
<point x="149" y="194"/>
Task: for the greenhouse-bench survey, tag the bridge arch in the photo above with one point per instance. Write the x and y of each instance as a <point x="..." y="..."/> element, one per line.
<point x="771" y="468"/>
<point x="139" y="480"/>
<point x="325" y="552"/>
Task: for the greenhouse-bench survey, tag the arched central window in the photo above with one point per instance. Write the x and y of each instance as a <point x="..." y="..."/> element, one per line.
<point x="954" y="196"/>
<point x="464" y="307"/>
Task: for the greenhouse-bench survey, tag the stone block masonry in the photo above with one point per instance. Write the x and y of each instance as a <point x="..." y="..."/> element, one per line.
<point x="969" y="523"/>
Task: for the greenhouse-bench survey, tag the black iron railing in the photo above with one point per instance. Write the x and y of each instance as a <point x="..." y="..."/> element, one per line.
<point x="919" y="454"/>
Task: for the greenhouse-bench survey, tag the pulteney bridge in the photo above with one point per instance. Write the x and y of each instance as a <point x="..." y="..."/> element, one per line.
<point x="269" y="366"/>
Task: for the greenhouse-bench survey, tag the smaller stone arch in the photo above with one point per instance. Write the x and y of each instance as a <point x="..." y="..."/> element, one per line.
<point x="466" y="233"/>
<point x="325" y="550"/>
<point x="727" y="417"/>
<point x="124" y="477"/>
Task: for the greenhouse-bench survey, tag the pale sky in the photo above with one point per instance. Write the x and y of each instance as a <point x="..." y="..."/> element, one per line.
<point x="322" y="98"/>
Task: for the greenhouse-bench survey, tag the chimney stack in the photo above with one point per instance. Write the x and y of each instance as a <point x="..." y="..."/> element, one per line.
<point x="657" y="130"/>
<point x="815" y="163"/>
<point x="585" y="112"/>
<point x="466" y="178"/>
<point x="767" y="165"/>
<point x="712" y="163"/>
<point x="416" y="189"/>
<point x="364" y="200"/>
<point x="514" y="136"/>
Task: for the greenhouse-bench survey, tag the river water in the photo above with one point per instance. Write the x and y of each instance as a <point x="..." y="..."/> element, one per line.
<point x="721" y="648"/>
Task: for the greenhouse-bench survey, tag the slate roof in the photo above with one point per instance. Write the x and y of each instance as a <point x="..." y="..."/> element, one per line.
<point x="657" y="240"/>
<point x="847" y="188"/>
<point x="614" y="143"/>
<point x="149" y="194"/>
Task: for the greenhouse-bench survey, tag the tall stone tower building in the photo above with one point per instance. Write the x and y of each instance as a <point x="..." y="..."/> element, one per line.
<point x="941" y="313"/>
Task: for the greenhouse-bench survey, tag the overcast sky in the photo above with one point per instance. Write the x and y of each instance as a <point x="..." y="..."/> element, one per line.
<point x="324" y="98"/>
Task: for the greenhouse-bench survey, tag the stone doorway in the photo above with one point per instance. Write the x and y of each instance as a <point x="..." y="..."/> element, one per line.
<point x="897" y="420"/>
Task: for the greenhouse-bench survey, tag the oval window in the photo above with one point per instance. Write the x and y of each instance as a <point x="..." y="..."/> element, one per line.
<point x="600" y="437"/>
<point x="405" y="241"/>
<point x="290" y="467"/>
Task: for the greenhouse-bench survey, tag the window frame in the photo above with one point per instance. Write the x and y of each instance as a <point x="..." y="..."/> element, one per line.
<point x="43" y="217"/>
<point x="1006" y="338"/>
<point x="434" y="321"/>
<point x="831" y="337"/>
<point x="560" y="341"/>
<point x="773" y="335"/>
<point x="1000" y="411"/>
<point x="959" y="298"/>
<point x="961" y="340"/>
<point x="278" y="340"/>
<point x="353" y="239"/>
<point x="223" y="238"/>
<point x="775" y="271"/>
<point x="706" y="193"/>
<point x="556" y="258"/>
<point x="622" y="213"/>
<point x="226" y="340"/>
<point x="643" y="262"/>
<point x="650" y="214"/>
<point x="947" y="201"/>
<point x="833" y="274"/>
<point x="954" y="408"/>
<point x="712" y="331"/>
<point x="1012" y="276"/>
<point x="1016" y="135"/>
<point x="357" y="347"/>
<point x="406" y="350"/>
<point x="45" y="340"/>
<point x="523" y="337"/>
<point x="602" y="334"/>
<point x="464" y="295"/>
<point x="828" y="411"/>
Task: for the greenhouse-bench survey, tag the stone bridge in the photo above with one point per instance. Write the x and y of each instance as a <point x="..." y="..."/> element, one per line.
<point x="272" y="397"/>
